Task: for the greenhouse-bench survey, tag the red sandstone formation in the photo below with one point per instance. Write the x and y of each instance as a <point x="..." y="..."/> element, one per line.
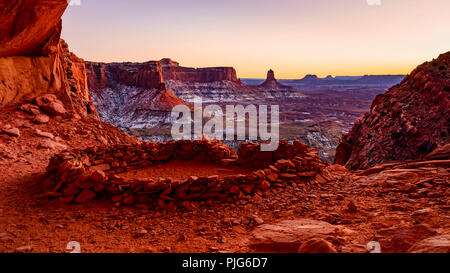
<point x="30" y="27"/>
<point x="212" y="84"/>
<point x="97" y="75"/>
<point x="152" y="73"/>
<point x="173" y="71"/>
<point x="271" y="87"/>
<point x="149" y="75"/>
<point x="35" y="61"/>
<point x="145" y="75"/>
<point x="61" y="73"/>
<point x="272" y="84"/>
<point x="131" y="95"/>
<point x="215" y="83"/>
<point x="407" y="122"/>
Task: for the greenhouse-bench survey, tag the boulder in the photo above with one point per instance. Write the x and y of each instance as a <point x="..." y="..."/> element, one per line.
<point x="52" y="145"/>
<point x="30" y="109"/>
<point x="352" y="207"/>
<point x="85" y="196"/>
<point x="11" y="131"/>
<point x="287" y="236"/>
<point x="98" y="176"/>
<point x="316" y="245"/>
<point x="41" y="119"/>
<point x="44" y="134"/>
<point x="435" y="244"/>
<point x="400" y="239"/>
<point x="51" y="105"/>
<point x="440" y="153"/>
<point x="23" y="78"/>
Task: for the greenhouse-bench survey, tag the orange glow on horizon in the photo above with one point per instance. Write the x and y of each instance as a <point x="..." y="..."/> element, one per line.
<point x="292" y="37"/>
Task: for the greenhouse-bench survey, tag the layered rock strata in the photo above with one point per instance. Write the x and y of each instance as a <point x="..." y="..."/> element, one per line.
<point x="406" y="123"/>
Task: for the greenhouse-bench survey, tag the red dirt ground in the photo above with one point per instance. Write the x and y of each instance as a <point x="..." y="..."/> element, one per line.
<point x="179" y="170"/>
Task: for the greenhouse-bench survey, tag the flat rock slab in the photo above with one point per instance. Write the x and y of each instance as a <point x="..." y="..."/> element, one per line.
<point x="287" y="236"/>
<point x="436" y="244"/>
<point x="400" y="239"/>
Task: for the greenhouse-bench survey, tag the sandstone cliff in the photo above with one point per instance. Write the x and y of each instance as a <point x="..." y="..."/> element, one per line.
<point x="220" y="84"/>
<point x="145" y="75"/>
<point x="33" y="59"/>
<point x="131" y="95"/>
<point x="407" y="122"/>
<point x="212" y="84"/>
<point x="30" y="27"/>
<point x="173" y="71"/>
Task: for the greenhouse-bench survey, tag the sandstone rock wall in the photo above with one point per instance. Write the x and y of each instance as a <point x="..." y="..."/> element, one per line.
<point x="173" y="71"/>
<point x="82" y="176"/>
<point x="62" y="73"/>
<point x="131" y="95"/>
<point x="33" y="59"/>
<point x="30" y="27"/>
<point x="202" y="75"/>
<point x="406" y="123"/>
<point x="145" y="75"/>
<point x="152" y="74"/>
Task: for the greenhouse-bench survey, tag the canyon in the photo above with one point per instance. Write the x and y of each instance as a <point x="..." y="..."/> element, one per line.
<point x="125" y="93"/>
<point x="67" y="175"/>
<point x="407" y="122"/>
<point x="318" y="115"/>
<point x="131" y="96"/>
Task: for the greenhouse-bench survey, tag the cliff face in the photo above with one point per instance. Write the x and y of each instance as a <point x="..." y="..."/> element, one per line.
<point x="146" y="75"/>
<point x="30" y="27"/>
<point x="407" y="122"/>
<point x="173" y="71"/>
<point x="212" y="84"/>
<point x="131" y="95"/>
<point x="33" y="59"/>
<point x="74" y="92"/>
<point x="221" y="84"/>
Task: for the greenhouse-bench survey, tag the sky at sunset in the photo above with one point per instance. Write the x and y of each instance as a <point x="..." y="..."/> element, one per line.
<point x="292" y="37"/>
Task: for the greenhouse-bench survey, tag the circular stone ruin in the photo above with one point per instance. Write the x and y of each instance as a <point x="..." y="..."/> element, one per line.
<point x="176" y="174"/>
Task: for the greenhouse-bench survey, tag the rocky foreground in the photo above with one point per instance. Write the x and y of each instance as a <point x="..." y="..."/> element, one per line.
<point x="403" y="206"/>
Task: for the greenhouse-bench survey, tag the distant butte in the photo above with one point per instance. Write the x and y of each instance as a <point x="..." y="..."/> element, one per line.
<point x="271" y="84"/>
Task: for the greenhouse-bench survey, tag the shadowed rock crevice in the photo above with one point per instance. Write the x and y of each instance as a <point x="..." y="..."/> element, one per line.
<point x="406" y="123"/>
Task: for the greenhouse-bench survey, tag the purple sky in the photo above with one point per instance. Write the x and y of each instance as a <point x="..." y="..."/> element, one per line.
<point x="293" y="37"/>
